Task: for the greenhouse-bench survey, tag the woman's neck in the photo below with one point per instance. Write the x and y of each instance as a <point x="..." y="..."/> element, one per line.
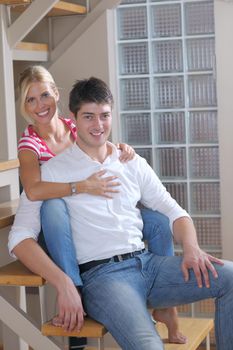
<point x="53" y="130"/>
<point x="56" y="135"/>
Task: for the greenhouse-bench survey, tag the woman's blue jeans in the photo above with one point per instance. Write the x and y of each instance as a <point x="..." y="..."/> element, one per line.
<point x="58" y="238"/>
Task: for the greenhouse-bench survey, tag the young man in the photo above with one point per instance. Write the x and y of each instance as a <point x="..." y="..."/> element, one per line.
<point x="120" y="278"/>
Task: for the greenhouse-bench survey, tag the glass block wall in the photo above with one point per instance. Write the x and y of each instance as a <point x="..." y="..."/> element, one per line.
<point x="168" y="105"/>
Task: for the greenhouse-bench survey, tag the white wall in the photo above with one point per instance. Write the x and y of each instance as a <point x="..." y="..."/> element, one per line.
<point x="88" y="56"/>
<point x="224" y="60"/>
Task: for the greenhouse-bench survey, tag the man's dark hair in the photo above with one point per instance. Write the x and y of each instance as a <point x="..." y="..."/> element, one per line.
<point x="89" y="90"/>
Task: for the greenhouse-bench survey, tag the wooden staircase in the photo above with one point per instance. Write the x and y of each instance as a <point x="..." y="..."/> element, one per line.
<point x="62" y="8"/>
<point x="29" y="51"/>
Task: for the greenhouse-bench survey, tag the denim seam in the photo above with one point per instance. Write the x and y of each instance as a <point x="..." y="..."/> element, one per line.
<point x="126" y="340"/>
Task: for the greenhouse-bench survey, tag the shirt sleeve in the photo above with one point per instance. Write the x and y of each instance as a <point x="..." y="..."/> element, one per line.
<point x="26" y="224"/>
<point x="154" y="194"/>
<point x="29" y="144"/>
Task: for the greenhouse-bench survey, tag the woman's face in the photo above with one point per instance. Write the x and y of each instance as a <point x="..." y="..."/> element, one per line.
<point x="41" y="103"/>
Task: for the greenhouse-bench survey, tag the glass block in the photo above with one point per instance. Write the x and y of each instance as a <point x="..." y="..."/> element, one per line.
<point x="169" y="92"/>
<point x="184" y="310"/>
<point x="205" y="307"/>
<point x="167" y="56"/>
<point x="202" y="91"/>
<point x="135" y="94"/>
<point x="136" y="128"/>
<point x="200" y="54"/>
<point x="145" y="153"/>
<point x="132" y="23"/>
<point x="171" y="162"/>
<point x="217" y="254"/>
<point x="205" y="198"/>
<point x="204" y="162"/>
<point x="199" y="18"/>
<point x="203" y="127"/>
<point x="166" y="20"/>
<point x="179" y="192"/>
<point x="170" y="127"/>
<point x="133" y="58"/>
<point x="208" y="232"/>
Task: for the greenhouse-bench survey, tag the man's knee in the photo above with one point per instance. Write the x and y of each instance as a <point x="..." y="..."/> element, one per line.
<point x="225" y="274"/>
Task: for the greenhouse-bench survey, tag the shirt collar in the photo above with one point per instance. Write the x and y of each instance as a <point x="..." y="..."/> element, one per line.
<point x="112" y="157"/>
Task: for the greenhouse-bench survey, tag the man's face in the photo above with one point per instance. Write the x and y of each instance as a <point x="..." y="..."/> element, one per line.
<point x="93" y="124"/>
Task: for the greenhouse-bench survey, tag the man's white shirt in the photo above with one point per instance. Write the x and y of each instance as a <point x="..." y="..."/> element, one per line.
<point x="101" y="227"/>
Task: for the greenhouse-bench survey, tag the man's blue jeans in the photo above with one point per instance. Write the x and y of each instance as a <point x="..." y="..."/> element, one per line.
<point x="58" y="238"/>
<point x="117" y="294"/>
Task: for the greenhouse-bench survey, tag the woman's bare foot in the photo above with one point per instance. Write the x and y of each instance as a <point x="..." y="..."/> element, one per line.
<point x="169" y="317"/>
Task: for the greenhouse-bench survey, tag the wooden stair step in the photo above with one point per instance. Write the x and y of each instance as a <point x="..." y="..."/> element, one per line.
<point x="9" y="164"/>
<point x="16" y="274"/>
<point x="195" y="329"/>
<point x="13" y="2"/>
<point x="28" y="51"/>
<point x="90" y="329"/>
<point x="61" y="8"/>
<point x="7" y="212"/>
<point x="28" y="46"/>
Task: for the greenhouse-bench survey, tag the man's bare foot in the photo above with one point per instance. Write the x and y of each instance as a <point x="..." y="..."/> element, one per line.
<point x="169" y="317"/>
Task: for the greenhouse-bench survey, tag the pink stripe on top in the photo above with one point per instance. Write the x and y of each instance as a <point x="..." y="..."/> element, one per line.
<point x="31" y="141"/>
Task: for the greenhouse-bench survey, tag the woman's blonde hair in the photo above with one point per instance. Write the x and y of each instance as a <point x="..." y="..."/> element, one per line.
<point x="33" y="74"/>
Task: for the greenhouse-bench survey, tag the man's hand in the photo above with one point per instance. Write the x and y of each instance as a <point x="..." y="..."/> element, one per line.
<point x="70" y="307"/>
<point x="194" y="257"/>
<point x="201" y="263"/>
